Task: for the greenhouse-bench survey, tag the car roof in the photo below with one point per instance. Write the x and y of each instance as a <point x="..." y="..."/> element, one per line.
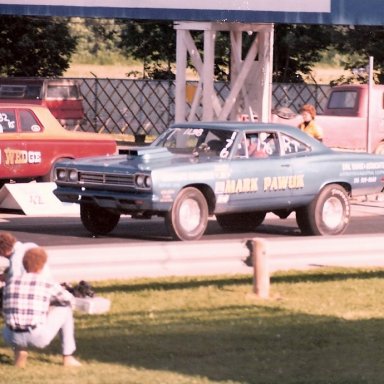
<point x="232" y="125"/>
<point x="241" y="126"/>
<point x="22" y="105"/>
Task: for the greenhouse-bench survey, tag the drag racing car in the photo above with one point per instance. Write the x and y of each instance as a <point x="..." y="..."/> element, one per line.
<point x="235" y="171"/>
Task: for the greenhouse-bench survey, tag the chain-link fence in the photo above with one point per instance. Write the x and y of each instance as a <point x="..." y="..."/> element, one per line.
<point x="147" y="107"/>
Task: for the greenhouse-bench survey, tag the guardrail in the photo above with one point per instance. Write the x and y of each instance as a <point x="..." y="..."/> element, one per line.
<point x="161" y="259"/>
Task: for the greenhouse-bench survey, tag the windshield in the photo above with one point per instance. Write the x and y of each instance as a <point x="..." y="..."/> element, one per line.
<point x="198" y="141"/>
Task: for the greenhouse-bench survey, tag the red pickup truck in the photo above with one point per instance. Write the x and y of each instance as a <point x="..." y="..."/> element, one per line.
<point x="61" y="96"/>
<point x="345" y="119"/>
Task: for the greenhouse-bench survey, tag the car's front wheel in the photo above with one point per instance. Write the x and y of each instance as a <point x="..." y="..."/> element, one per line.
<point x="188" y="217"/>
<point x="245" y="221"/>
<point x="327" y="214"/>
<point x="97" y="220"/>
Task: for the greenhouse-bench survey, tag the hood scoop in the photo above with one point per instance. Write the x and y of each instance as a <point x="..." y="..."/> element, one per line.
<point x="146" y="153"/>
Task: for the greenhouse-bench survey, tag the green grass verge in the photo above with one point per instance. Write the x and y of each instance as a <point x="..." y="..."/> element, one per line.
<point x="321" y="326"/>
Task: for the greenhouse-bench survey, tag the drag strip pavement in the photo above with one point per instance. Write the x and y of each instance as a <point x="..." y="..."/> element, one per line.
<point x="155" y="259"/>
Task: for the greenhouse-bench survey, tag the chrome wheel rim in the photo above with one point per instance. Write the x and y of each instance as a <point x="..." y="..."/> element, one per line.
<point x="333" y="213"/>
<point x="189" y="215"/>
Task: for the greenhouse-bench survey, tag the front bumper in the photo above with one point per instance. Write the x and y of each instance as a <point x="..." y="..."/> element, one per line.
<point x="117" y="201"/>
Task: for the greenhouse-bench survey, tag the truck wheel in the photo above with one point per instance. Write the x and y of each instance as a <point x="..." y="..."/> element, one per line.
<point x="327" y="214"/>
<point x="245" y="221"/>
<point x="97" y="220"/>
<point x="188" y="217"/>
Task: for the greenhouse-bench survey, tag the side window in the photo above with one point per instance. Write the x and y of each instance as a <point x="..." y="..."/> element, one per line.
<point x="343" y="99"/>
<point x="7" y="121"/>
<point x="241" y="150"/>
<point x="62" y="92"/>
<point x="28" y="122"/>
<point x="262" y="144"/>
<point x="291" y="145"/>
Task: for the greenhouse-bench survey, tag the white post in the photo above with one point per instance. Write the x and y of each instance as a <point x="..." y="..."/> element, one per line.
<point x="181" y="59"/>
<point x="208" y="74"/>
<point x="370" y="86"/>
<point x="267" y="70"/>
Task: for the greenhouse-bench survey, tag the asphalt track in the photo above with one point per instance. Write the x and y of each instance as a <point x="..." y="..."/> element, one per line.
<point x="144" y="249"/>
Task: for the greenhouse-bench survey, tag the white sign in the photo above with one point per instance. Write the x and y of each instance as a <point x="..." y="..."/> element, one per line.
<point x="35" y="199"/>
<point x="237" y="5"/>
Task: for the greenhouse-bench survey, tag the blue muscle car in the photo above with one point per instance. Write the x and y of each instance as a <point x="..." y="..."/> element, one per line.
<point x="235" y="171"/>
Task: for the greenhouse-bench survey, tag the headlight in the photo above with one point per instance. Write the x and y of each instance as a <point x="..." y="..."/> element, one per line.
<point x="148" y="182"/>
<point x="140" y="180"/>
<point x="143" y="181"/>
<point x="61" y="174"/>
<point x="72" y="176"/>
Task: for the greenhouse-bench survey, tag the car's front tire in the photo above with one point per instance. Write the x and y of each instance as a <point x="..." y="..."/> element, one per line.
<point x="97" y="220"/>
<point x="245" y="221"/>
<point x="327" y="214"/>
<point x="188" y="217"/>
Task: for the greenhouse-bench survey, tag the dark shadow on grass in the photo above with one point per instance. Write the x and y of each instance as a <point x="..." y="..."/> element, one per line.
<point x="256" y="348"/>
<point x="169" y="286"/>
<point x="166" y="285"/>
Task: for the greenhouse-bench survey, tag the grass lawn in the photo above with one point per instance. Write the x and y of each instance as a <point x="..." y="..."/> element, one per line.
<point x="321" y="326"/>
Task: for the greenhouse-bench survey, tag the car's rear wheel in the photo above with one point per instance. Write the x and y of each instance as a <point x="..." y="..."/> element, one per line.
<point x="327" y="214"/>
<point x="245" y="221"/>
<point x="97" y="220"/>
<point x="188" y="217"/>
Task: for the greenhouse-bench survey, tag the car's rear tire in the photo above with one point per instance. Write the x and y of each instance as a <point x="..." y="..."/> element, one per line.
<point x="188" y="217"/>
<point x="327" y="214"/>
<point x="245" y="221"/>
<point x="97" y="220"/>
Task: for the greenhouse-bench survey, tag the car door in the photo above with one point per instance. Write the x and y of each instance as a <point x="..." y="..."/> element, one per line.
<point x="307" y="169"/>
<point x="38" y="146"/>
<point x="12" y="148"/>
<point x="259" y="182"/>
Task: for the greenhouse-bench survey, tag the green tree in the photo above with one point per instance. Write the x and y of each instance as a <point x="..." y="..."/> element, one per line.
<point x="97" y="40"/>
<point x="154" y="43"/>
<point x="297" y="48"/>
<point x="32" y="46"/>
<point x="357" y="44"/>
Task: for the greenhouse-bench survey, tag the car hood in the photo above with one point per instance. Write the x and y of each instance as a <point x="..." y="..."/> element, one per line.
<point x="138" y="158"/>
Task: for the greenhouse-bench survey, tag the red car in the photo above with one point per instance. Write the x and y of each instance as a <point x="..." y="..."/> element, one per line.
<point x="32" y="141"/>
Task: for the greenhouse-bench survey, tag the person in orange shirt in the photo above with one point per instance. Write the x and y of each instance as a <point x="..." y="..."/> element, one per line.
<point x="309" y="126"/>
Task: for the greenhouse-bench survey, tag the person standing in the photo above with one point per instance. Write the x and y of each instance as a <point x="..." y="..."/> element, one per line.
<point x="36" y="309"/>
<point x="309" y="126"/>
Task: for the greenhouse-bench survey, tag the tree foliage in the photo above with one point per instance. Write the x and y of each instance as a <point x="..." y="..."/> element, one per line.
<point x="32" y="46"/>
<point x="297" y="48"/>
<point x="97" y="40"/>
<point x="154" y="43"/>
<point x="358" y="44"/>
